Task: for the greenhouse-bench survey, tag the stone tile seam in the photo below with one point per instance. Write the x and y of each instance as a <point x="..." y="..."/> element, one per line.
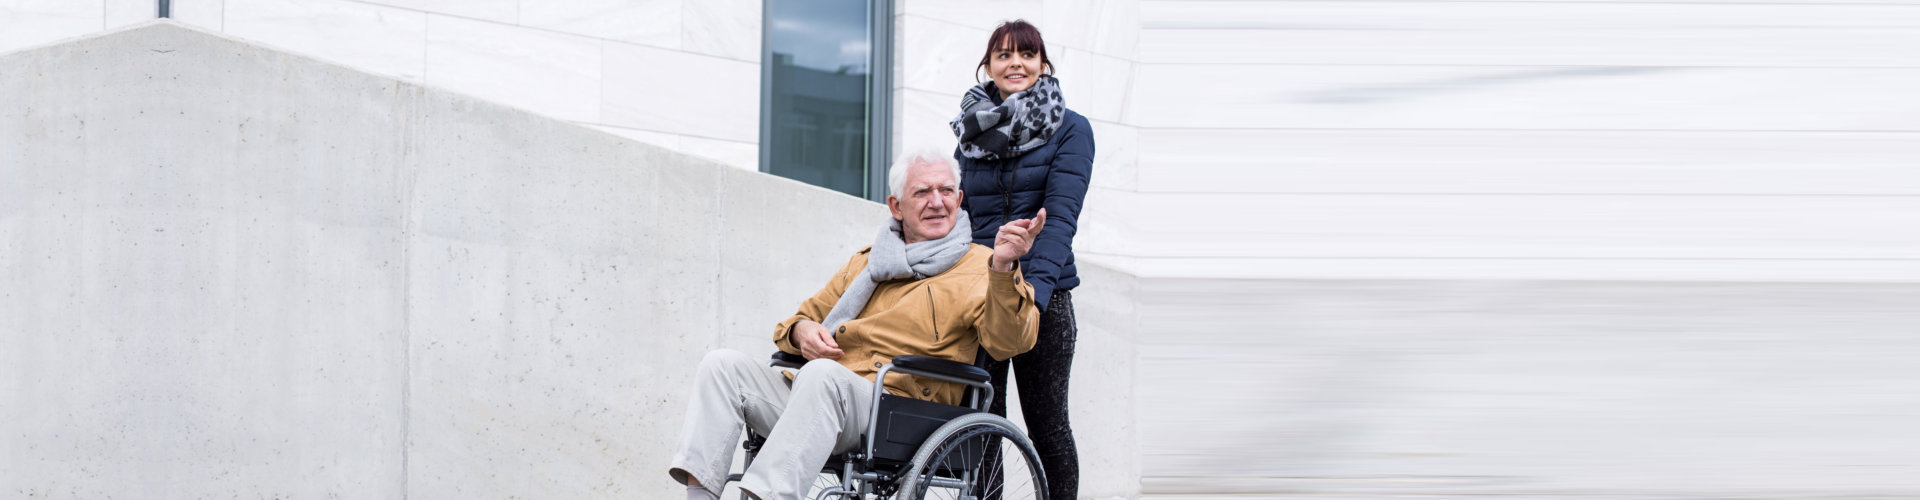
<point x="72" y="38"/>
<point x="420" y="85"/>
<point x="667" y="132"/>
<point x="987" y="31"/>
<point x="551" y="31"/>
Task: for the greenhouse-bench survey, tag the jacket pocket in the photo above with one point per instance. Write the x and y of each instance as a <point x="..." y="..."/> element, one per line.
<point x="898" y="384"/>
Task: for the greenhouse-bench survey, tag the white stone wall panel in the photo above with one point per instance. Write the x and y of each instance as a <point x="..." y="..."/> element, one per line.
<point x="1522" y="33"/>
<point x="1530" y="162"/>
<point x="1529" y="98"/>
<point x="724" y="28"/>
<point x="657" y="23"/>
<point x="28" y="23"/>
<point x="206" y="14"/>
<point x="126" y="12"/>
<point x="938" y="56"/>
<point x="1523" y="226"/>
<point x="550" y="73"/>
<point x="982" y="15"/>
<point x="923" y="119"/>
<point x="1108" y="27"/>
<point x="671" y="91"/>
<point x="380" y="39"/>
<point x="501" y="11"/>
<point x="1094" y="85"/>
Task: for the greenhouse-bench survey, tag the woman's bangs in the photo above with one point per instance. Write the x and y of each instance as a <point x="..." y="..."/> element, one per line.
<point x="1023" y="38"/>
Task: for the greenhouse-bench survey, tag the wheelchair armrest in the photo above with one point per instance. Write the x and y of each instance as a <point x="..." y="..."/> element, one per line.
<point x="784" y="359"/>
<point x="939" y="366"/>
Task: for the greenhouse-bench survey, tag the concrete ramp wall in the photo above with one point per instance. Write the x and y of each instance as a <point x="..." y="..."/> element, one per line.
<point x="229" y="271"/>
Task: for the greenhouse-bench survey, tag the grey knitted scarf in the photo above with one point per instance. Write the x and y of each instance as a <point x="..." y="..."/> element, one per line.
<point x="1023" y="122"/>
<point x="892" y="258"/>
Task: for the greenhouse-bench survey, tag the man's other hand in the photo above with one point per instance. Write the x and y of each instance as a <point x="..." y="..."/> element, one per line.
<point x="815" y="341"/>
<point x="1014" y="240"/>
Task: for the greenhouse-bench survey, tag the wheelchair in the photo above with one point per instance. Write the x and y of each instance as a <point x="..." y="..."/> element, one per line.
<point x="918" y="450"/>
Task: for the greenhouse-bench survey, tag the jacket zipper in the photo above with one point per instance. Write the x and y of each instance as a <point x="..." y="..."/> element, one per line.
<point x="935" y="314"/>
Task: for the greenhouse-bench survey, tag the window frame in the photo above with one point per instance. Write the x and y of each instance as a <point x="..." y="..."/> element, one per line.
<point x="879" y="94"/>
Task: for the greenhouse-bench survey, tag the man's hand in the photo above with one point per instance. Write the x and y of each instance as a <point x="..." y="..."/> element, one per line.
<point x="1014" y="240"/>
<point x="815" y="341"/>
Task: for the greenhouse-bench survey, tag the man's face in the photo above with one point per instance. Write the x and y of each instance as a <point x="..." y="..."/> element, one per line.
<point x="926" y="207"/>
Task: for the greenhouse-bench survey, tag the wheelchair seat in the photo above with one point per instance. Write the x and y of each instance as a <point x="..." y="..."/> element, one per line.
<point x="922" y="449"/>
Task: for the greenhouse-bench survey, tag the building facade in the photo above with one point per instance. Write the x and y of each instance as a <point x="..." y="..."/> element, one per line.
<point x="1439" y="243"/>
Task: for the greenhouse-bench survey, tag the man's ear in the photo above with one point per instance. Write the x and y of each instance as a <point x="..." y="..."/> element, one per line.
<point x="893" y="205"/>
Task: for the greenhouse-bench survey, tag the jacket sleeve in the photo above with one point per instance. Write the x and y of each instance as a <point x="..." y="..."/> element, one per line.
<point x="1067" y="179"/>
<point x="1010" y="323"/>
<point x="816" y="307"/>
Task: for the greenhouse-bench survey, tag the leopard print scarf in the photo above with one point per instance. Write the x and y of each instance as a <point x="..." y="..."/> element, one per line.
<point x="1024" y="122"/>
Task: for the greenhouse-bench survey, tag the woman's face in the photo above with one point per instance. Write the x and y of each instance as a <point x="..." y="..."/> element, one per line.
<point x="1012" y="70"/>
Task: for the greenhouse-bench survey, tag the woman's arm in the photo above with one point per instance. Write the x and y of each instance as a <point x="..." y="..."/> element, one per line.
<point x="1067" y="178"/>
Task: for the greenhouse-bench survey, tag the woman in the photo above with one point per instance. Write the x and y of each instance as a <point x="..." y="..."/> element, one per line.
<point x="1021" y="150"/>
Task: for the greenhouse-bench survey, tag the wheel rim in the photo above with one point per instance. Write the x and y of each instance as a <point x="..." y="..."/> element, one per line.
<point x="1005" y="470"/>
<point x="822" y="482"/>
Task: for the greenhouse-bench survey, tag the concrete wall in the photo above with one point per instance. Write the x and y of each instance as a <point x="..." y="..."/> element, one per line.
<point x="230" y="271"/>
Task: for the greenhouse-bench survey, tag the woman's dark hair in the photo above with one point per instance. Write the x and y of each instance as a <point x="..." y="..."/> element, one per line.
<point x="1024" y="37"/>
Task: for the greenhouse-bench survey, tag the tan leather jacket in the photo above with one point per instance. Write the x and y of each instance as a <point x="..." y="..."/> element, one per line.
<point x="950" y="315"/>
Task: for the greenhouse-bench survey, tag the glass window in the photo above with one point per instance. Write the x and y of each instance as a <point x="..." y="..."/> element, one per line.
<point x="823" y="94"/>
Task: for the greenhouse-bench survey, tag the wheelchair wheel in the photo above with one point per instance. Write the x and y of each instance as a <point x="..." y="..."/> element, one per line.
<point x="978" y="456"/>
<point x="826" y="480"/>
<point x="822" y="482"/>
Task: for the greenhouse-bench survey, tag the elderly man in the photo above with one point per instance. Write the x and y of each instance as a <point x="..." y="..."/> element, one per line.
<point x="921" y="289"/>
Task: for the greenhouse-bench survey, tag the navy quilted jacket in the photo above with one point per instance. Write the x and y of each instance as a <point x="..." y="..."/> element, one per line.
<point x="1054" y="176"/>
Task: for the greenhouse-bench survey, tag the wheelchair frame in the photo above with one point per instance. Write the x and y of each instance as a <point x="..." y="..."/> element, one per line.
<point x="859" y="471"/>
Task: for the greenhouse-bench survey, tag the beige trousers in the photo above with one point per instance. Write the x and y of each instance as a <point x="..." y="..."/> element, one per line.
<point x="824" y="410"/>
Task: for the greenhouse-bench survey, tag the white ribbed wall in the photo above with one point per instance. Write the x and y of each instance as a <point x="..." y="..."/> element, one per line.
<point x="1498" y="139"/>
<point x="1664" y="140"/>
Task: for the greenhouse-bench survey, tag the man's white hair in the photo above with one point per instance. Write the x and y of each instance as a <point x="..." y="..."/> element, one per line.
<point x="897" y="173"/>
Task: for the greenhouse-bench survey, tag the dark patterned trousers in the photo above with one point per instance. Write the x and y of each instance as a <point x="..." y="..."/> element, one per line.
<point x="1043" y="374"/>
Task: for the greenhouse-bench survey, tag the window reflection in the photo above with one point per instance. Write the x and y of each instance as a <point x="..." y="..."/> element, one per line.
<point x="817" y="103"/>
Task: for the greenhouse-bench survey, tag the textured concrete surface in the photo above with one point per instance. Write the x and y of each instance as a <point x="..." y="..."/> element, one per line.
<point x="227" y="271"/>
<point x="202" y="280"/>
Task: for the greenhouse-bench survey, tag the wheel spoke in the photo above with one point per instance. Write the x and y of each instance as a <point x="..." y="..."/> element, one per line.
<point x="991" y="451"/>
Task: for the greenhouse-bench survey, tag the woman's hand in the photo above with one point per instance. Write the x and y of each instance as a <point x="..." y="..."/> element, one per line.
<point x="1014" y="240"/>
